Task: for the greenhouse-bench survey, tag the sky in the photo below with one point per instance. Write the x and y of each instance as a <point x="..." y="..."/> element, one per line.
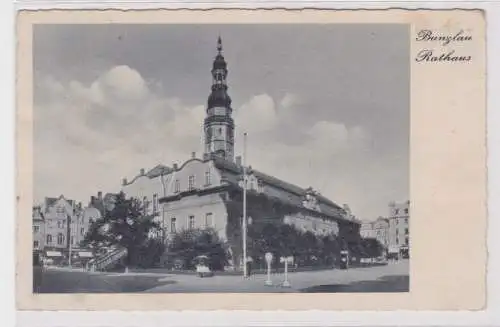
<point x="325" y="106"/>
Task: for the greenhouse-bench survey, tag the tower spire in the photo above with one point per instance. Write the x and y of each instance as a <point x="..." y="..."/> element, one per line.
<point x="219" y="45"/>
<point x="219" y="125"/>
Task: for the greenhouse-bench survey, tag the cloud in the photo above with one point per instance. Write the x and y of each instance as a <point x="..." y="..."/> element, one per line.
<point x="258" y="115"/>
<point x="89" y="136"/>
<point x="289" y="100"/>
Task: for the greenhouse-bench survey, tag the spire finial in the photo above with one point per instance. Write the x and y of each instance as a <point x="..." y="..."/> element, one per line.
<point x="219" y="44"/>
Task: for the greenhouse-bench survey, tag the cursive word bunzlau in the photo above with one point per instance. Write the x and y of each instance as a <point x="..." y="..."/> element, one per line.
<point x="428" y="35"/>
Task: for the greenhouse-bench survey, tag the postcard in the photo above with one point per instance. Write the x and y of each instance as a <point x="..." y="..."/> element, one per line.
<point x="251" y="159"/>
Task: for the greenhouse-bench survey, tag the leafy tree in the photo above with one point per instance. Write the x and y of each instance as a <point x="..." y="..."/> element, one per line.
<point x="372" y="247"/>
<point x="188" y="244"/>
<point x="125" y="225"/>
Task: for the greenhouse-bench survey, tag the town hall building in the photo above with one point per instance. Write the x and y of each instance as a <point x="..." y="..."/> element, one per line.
<point x="207" y="191"/>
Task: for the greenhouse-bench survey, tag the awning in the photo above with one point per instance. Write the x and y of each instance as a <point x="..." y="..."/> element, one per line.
<point x="85" y="254"/>
<point x="53" y="254"/>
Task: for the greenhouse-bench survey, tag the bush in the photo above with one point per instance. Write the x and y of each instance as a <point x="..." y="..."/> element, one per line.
<point x="186" y="245"/>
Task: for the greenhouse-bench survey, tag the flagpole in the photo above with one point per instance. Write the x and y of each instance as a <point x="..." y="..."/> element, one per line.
<point x="245" y="272"/>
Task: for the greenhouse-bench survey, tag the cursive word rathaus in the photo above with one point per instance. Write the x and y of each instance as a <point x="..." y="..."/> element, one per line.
<point x="428" y="35"/>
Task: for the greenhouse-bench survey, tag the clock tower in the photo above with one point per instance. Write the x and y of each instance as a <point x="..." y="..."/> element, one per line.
<point x="218" y="126"/>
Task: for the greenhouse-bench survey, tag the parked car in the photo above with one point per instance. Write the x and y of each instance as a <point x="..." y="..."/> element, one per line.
<point x="202" y="266"/>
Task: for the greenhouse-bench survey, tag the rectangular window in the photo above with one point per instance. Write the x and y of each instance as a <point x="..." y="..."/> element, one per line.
<point x="35" y="244"/>
<point x="406" y="211"/>
<point x="407" y="241"/>
<point x="60" y="239"/>
<point x="406" y="231"/>
<point x="145" y="205"/>
<point x="72" y="240"/>
<point x="172" y="224"/>
<point x="59" y="224"/>
<point x="82" y="231"/>
<point x="209" y="220"/>
<point x="177" y="186"/>
<point x="397" y="241"/>
<point x="191" y="222"/>
<point x="49" y="239"/>
<point x="260" y="186"/>
<point x="155" y="203"/>
<point x="406" y="220"/>
<point x="208" y="180"/>
<point x="36" y="229"/>
<point x="191" y="183"/>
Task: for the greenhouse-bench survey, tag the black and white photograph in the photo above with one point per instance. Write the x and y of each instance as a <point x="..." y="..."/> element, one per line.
<point x="221" y="158"/>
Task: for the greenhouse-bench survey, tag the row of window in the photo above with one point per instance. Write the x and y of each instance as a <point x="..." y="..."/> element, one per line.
<point x="405" y="211"/>
<point x="60" y="237"/>
<point x="209" y="221"/>
<point x="60" y="240"/>
<point x="146" y="203"/>
<point x="192" y="182"/>
<point x="36" y="228"/>
<point x="397" y="221"/>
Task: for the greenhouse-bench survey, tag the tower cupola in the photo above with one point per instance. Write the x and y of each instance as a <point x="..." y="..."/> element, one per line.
<point x="218" y="124"/>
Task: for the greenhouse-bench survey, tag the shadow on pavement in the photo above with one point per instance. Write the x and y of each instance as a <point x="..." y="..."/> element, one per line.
<point x="74" y="282"/>
<point x="385" y="284"/>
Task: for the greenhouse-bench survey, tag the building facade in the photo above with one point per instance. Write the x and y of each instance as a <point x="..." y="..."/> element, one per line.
<point x="207" y="191"/>
<point x="399" y="225"/>
<point x="378" y="229"/>
<point x="59" y="223"/>
<point x="393" y="231"/>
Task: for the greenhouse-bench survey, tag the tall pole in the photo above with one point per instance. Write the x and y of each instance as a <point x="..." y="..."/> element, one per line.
<point x="245" y="272"/>
<point x="69" y="242"/>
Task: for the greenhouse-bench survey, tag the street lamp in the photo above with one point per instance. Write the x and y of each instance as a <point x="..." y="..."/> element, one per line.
<point x="245" y="272"/>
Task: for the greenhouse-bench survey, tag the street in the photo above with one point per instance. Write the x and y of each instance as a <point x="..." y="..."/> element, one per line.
<point x="390" y="278"/>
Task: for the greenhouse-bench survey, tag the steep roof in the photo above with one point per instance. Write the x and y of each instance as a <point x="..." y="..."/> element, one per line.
<point x="231" y="167"/>
<point x="49" y="201"/>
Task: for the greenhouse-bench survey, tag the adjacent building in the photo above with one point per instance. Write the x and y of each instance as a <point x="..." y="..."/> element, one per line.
<point x="399" y="226"/>
<point x="393" y="231"/>
<point x="59" y="223"/>
<point x="207" y="190"/>
<point x="378" y="229"/>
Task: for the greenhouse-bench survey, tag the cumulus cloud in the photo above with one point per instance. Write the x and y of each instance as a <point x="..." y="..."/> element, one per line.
<point x="105" y="130"/>
<point x="89" y="136"/>
<point x="258" y="115"/>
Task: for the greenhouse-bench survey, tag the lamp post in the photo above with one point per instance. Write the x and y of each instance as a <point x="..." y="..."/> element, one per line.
<point x="286" y="260"/>
<point x="70" y="252"/>
<point x="269" y="259"/>
<point x="245" y="272"/>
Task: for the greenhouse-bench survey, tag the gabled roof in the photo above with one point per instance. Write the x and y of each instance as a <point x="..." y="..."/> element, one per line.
<point x="49" y="201"/>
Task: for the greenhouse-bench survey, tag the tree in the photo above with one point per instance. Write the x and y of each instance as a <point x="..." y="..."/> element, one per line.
<point x="188" y="244"/>
<point x="372" y="247"/>
<point x="126" y="225"/>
